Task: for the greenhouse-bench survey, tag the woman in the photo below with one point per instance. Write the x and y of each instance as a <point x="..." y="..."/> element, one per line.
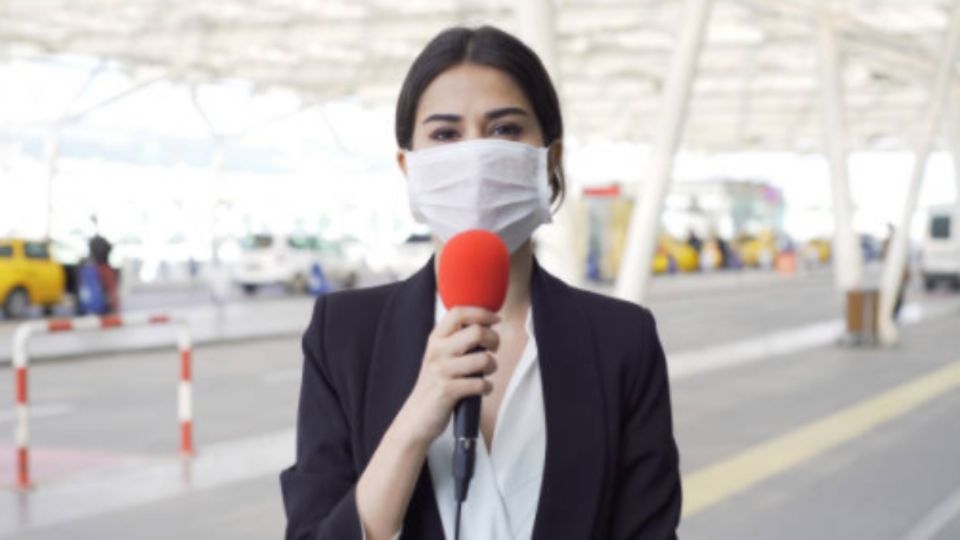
<point x="576" y="436"/>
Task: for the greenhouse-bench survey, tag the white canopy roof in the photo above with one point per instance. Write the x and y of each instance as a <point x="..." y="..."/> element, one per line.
<point x="756" y="85"/>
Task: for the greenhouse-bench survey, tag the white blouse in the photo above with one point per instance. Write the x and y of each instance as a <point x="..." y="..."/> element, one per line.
<point x="505" y="490"/>
<point x="503" y="494"/>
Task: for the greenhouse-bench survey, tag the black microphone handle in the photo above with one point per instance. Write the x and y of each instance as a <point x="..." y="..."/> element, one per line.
<point x="466" y="426"/>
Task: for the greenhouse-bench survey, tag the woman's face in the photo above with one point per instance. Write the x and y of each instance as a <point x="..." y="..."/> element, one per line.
<point x="471" y="101"/>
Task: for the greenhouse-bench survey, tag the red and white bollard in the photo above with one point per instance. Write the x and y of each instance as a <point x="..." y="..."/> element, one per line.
<point x="21" y="338"/>
<point x="185" y="391"/>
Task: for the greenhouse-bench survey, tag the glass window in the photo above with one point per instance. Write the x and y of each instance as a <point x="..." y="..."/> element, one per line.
<point x="940" y="227"/>
<point x="6" y="251"/>
<point x="36" y="250"/>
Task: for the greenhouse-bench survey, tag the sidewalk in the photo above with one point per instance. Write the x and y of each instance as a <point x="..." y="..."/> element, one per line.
<point x="255" y="319"/>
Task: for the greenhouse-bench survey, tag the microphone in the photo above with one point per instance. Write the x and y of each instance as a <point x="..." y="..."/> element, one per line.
<point x="474" y="270"/>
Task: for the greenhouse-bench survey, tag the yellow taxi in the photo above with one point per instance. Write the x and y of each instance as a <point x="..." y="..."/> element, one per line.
<point x="28" y="276"/>
<point x="683" y="256"/>
<point x="818" y="250"/>
<point x="758" y="251"/>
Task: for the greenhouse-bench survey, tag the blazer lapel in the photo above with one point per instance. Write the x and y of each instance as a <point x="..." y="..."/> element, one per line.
<point x="399" y="344"/>
<point x="574" y="410"/>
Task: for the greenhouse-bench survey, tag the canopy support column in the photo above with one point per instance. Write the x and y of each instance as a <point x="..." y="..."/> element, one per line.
<point x="897" y="252"/>
<point x="847" y="260"/>
<point x="644" y="229"/>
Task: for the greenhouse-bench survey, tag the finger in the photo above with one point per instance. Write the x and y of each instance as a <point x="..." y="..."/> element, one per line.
<point x="472" y="364"/>
<point x="461" y="316"/>
<point x="467" y="339"/>
<point x="457" y="389"/>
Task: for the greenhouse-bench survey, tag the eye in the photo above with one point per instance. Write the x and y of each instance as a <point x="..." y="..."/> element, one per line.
<point x="444" y="134"/>
<point x="509" y="129"/>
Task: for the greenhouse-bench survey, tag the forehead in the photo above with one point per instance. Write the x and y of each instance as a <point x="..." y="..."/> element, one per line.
<point x="471" y="88"/>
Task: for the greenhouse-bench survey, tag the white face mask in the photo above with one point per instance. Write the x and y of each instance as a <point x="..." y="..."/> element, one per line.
<point x="491" y="184"/>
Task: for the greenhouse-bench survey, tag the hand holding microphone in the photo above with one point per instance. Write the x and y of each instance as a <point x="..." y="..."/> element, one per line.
<point x="473" y="273"/>
<point x="474" y="270"/>
<point x="447" y="366"/>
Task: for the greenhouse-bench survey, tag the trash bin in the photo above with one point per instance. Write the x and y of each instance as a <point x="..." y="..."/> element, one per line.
<point x="863" y="306"/>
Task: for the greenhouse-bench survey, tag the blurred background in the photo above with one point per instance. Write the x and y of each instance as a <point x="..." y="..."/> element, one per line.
<point x="776" y="179"/>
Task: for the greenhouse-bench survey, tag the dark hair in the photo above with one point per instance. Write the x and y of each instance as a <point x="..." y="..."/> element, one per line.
<point x="492" y="47"/>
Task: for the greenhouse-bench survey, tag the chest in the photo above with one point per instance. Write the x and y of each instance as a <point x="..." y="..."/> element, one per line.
<point x="513" y="343"/>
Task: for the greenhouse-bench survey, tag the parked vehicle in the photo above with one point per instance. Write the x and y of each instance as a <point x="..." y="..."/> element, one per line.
<point x="818" y="250"/>
<point x="674" y="255"/>
<point x="758" y="251"/>
<point x="288" y="260"/>
<point x="28" y="277"/>
<point x="941" y="247"/>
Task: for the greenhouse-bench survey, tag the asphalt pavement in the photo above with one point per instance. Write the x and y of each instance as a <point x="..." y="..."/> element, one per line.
<point x="814" y="441"/>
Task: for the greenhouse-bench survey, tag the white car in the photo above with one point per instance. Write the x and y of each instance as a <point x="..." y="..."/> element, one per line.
<point x="398" y="261"/>
<point x="941" y="247"/>
<point x="288" y="260"/>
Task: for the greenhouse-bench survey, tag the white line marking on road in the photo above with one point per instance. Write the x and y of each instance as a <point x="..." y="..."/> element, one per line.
<point x="937" y="519"/>
<point x="685" y="364"/>
<point x="38" y="411"/>
<point x="689" y="363"/>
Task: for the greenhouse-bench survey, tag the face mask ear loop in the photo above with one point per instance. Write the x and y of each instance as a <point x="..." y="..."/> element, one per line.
<point x="557" y="172"/>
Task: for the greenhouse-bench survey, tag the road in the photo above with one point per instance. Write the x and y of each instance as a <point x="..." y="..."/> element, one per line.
<point x="820" y="442"/>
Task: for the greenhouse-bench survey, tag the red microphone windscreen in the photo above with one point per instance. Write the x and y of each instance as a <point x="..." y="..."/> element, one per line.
<point x="474" y="270"/>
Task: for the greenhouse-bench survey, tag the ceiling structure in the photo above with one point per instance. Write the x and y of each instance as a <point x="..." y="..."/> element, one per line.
<point x="756" y="84"/>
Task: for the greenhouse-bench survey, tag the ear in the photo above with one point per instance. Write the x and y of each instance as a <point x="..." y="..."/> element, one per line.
<point x="402" y="161"/>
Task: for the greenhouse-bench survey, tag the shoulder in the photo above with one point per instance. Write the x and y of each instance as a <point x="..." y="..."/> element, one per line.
<point x="624" y="337"/>
<point x="616" y="318"/>
<point x="354" y="306"/>
<point x="343" y="319"/>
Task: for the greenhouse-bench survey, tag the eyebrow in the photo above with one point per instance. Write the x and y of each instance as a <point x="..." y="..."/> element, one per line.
<point x="505" y="111"/>
<point x="490" y="115"/>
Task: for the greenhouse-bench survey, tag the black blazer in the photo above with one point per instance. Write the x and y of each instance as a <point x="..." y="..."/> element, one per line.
<point x="611" y="468"/>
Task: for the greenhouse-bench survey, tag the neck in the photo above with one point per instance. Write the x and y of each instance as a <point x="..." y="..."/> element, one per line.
<point x="518" y="290"/>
